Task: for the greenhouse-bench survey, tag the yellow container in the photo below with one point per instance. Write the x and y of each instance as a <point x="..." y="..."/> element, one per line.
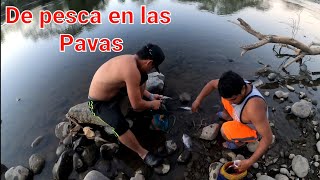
<point x="233" y="176"/>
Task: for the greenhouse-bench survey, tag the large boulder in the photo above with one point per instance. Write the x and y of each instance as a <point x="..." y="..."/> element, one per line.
<point x="82" y="114"/>
<point x="301" y="109"/>
<point x="210" y="132"/>
<point x="95" y="175"/>
<point x="62" y="130"/>
<point x="63" y="167"/>
<point x="300" y="166"/>
<point x="18" y="173"/>
<point x="318" y="146"/>
<point x="36" y="163"/>
<point x="155" y="82"/>
<point x="214" y="170"/>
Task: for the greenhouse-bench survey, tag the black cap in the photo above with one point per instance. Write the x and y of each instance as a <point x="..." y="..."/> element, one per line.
<point x="156" y="55"/>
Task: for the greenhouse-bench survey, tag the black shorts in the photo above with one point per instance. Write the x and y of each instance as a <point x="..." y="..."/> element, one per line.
<point x="110" y="112"/>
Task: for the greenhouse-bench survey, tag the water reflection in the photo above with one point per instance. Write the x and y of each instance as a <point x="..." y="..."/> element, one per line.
<point x="224" y="7"/>
<point x="33" y="31"/>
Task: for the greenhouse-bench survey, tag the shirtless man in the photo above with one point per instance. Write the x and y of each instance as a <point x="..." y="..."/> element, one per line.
<point x="245" y="111"/>
<point x="121" y="77"/>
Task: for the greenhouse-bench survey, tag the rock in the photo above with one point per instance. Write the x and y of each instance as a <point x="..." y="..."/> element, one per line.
<point x="63" y="167"/>
<point x="162" y="169"/>
<point x="67" y="140"/>
<point x="303" y="68"/>
<point x="107" y="151"/>
<point x="265" y="177"/>
<point x="314" y="88"/>
<point x="284" y="166"/>
<point x="317" y="136"/>
<point x="171" y="146"/>
<point x="267" y="93"/>
<point x="281" y="94"/>
<point x="287" y="109"/>
<point x="273" y="139"/>
<point x="77" y="163"/>
<point x="315" y="123"/>
<point x="155" y="82"/>
<point x="301" y="109"/>
<point x="82" y="114"/>
<point x="62" y="130"/>
<point x="302" y="95"/>
<point x="138" y="176"/>
<point x="61" y="148"/>
<point x="184" y="156"/>
<point x="314" y="102"/>
<point x="284" y="171"/>
<point x="3" y="170"/>
<point x="318" y="146"/>
<point x="17" y="173"/>
<point x="89" y="155"/>
<point x="231" y="156"/>
<point x="301" y="85"/>
<point x="214" y="169"/>
<point x="240" y="157"/>
<point x="300" y="166"/>
<point x="249" y="176"/>
<point x="255" y="165"/>
<point x="257" y="83"/>
<point x="252" y="146"/>
<point x="281" y="177"/>
<point x="316" y="164"/>
<point x="291" y="156"/>
<point x="316" y="158"/>
<point x="290" y="88"/>
<point x="37" y="141"/>
<point x="223" y="160"/>
<point x="36" y="163"/>
<point x="272" y="76"/>
<point x="281" y="99"/>
<point x="210" y="132"/>
<point x="80" y="143"/>
<point x="95" y="175"/>
<point x="185" y="97"/>
<point x="292" y="173"/>
<point x="281" y="154"/>
<point x="271" y="124"/>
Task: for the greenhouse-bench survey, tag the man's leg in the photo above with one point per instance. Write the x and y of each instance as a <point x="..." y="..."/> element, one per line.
<point x="130" y="140"/>
<point x="237" y="133"/>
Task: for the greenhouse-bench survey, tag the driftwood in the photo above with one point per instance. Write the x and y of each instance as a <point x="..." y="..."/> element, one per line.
<point x="298" y="47"/>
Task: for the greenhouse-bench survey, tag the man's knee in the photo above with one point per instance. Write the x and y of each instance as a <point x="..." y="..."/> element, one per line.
<point x="222" y="130"/>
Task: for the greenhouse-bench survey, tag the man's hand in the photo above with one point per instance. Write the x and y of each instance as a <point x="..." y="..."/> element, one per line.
<point x="155" y="96"/>
<point x="243" y="165"/>
<point x="155" y="104"/>
<point x="195" y="106"/>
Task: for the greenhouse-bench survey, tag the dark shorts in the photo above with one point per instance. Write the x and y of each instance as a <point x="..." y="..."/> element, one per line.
<point x="111" y="113"/>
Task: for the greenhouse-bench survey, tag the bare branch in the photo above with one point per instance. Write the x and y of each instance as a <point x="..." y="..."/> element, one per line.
<point x="264" y="39"/>
<point x="294" y="60"/>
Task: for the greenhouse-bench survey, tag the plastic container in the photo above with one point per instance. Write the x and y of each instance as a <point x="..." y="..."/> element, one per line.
<point x="227" y="171"/>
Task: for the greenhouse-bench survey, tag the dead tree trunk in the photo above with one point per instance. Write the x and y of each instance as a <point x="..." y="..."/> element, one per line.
<point x="299" y="48"/>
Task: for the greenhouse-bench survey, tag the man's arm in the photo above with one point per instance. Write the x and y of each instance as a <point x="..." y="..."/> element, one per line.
<point x="256" y="111"/>
<point x="132" y="79"/>
<point x="207" y="89"/>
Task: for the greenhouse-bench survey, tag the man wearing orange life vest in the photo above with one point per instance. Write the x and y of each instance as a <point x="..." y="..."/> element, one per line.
<point x="245" y="112"/>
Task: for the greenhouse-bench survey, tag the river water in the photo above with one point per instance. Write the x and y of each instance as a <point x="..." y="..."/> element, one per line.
<point x="200" y="44"/>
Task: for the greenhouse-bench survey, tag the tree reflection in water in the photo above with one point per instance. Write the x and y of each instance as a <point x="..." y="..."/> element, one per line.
<point x="225" y="7"/>
<point x="33" y="31"/>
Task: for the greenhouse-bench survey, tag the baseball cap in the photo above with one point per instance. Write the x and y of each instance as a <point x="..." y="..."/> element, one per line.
<point x="156" y="55"/>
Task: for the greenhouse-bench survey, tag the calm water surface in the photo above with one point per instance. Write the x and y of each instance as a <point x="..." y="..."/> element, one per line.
<point x="198" y="43"/>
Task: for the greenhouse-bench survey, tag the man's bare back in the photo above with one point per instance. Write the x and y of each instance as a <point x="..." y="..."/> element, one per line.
<point x="109" y="78"/>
